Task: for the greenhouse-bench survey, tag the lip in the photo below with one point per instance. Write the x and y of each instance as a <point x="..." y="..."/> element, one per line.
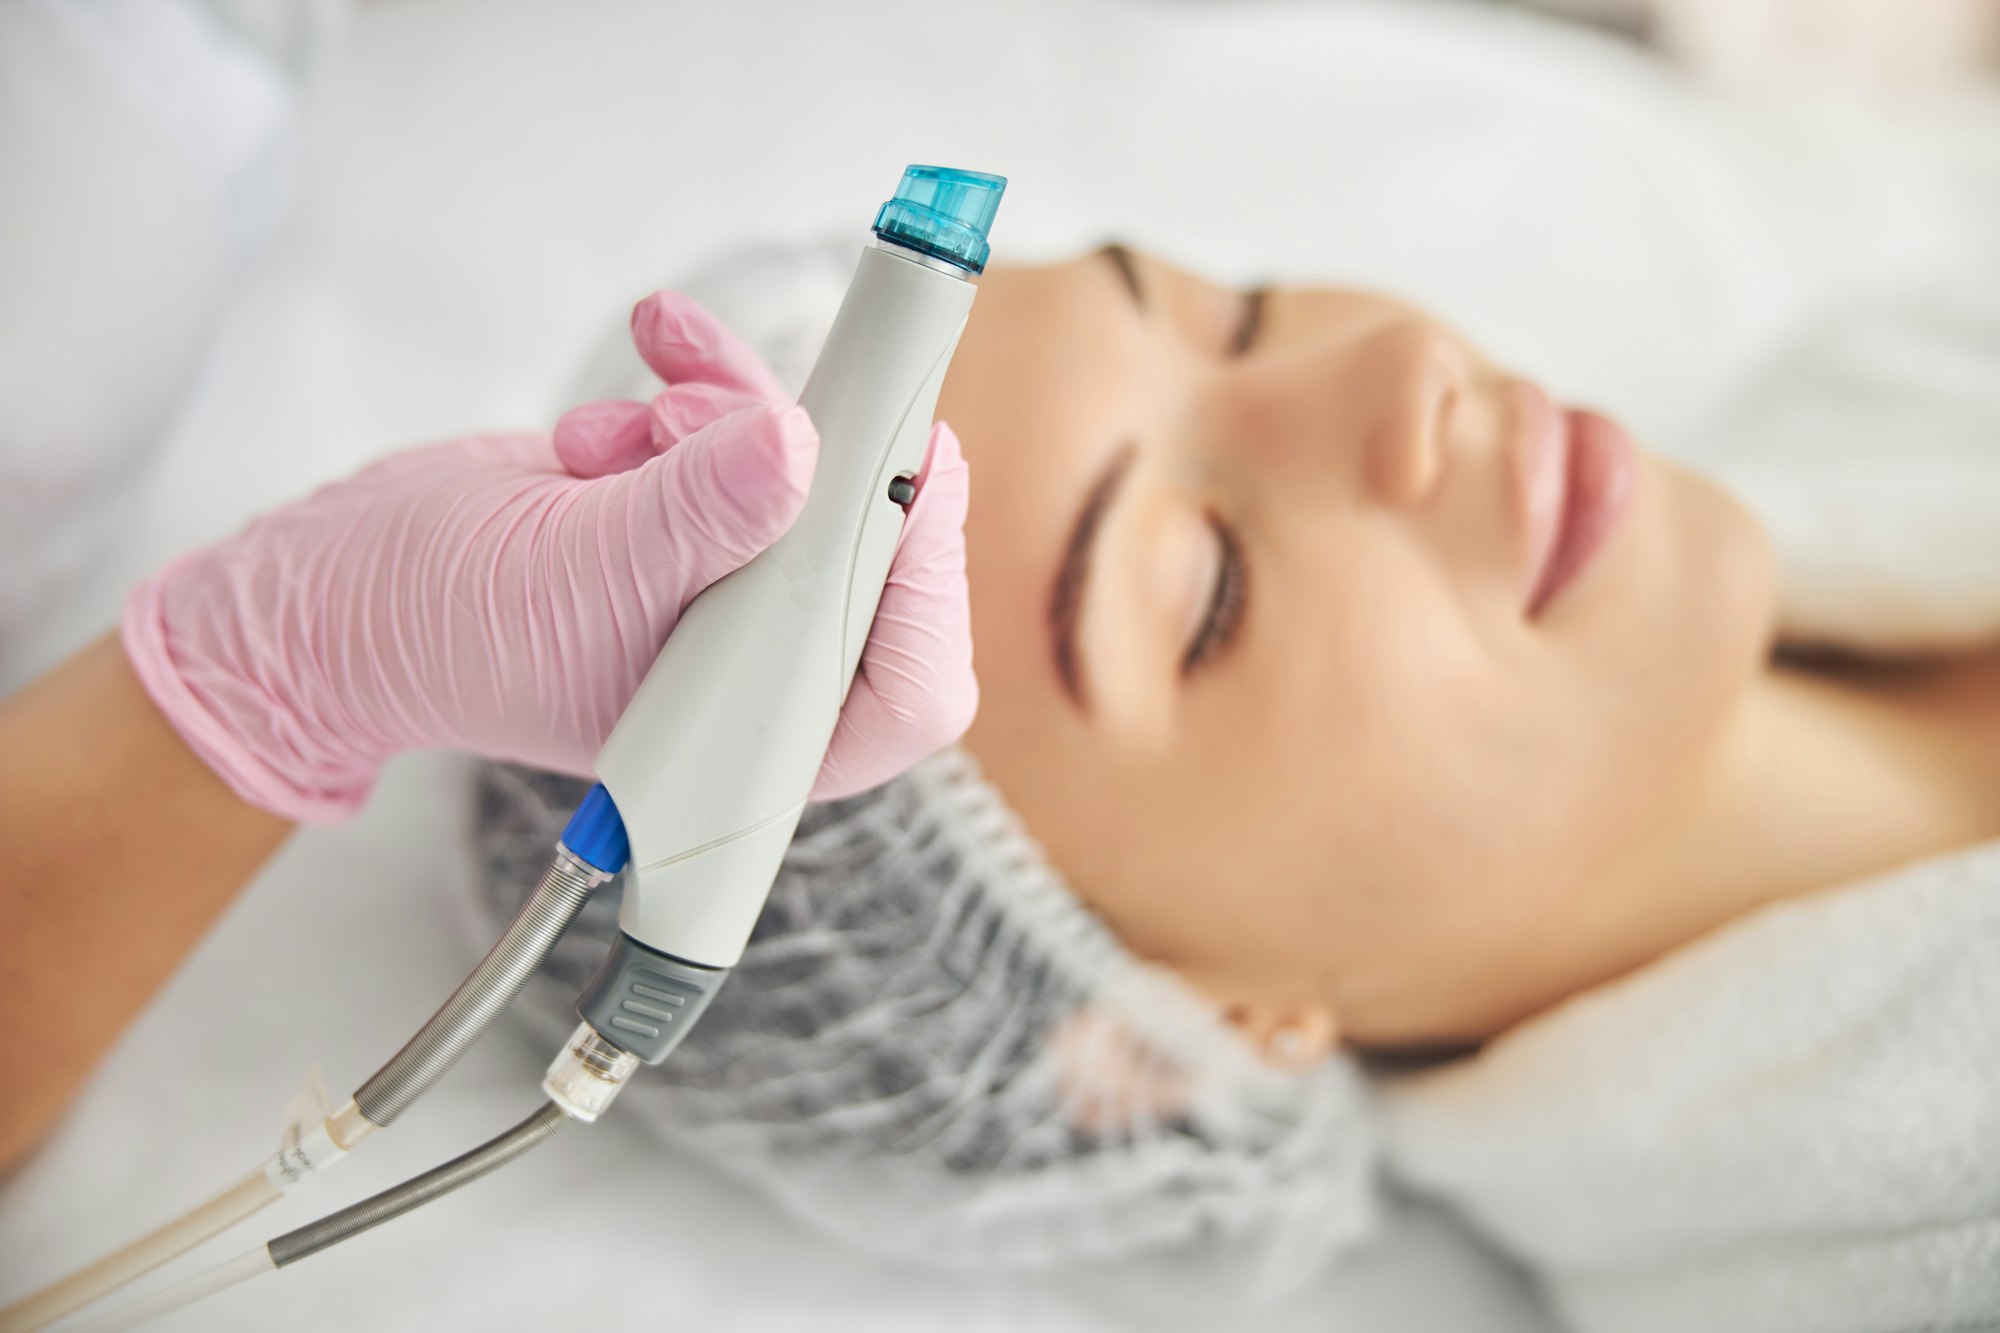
<point x="1578" y="470"/>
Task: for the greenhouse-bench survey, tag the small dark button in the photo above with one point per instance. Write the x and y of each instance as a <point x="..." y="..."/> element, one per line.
<point x="902" y="491"/>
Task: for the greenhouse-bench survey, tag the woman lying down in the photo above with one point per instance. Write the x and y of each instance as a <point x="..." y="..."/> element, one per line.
<point x="1380" y="770"/>
<point x="1376" y="764"/>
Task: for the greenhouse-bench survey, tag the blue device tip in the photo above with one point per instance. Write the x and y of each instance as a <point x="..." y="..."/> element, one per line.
<point x="595" y="834"/>
<point x="943" y="212"/>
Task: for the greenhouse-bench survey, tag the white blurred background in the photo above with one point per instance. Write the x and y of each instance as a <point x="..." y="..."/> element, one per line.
<point x="247" y="245"/>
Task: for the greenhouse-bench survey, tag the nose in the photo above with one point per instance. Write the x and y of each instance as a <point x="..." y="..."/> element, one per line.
<point x="1372" y="411"/>
<point x="1417" y="387"/>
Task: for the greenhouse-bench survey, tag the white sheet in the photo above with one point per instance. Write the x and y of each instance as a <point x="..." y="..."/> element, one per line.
<point x="489" y="182"/>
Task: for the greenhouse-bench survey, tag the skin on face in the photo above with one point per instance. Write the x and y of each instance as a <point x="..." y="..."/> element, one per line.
<point x="1304" y="738"/>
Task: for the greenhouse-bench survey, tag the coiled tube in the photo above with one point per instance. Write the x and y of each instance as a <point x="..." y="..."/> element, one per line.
<point x="416" y="1191"/>
<point x="479" y="999"/>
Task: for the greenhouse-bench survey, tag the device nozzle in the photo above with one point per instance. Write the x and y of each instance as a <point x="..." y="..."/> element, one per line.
<point x="944" y="212"/>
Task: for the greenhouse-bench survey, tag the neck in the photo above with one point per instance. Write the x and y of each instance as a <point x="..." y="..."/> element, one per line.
<point x="1822" y="778"/>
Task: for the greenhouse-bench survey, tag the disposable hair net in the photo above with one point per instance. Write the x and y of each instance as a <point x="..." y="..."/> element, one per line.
<point x="931" y="1047"/>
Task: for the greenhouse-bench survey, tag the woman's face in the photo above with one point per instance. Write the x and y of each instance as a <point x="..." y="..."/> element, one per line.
<point x="1329" y="661"/>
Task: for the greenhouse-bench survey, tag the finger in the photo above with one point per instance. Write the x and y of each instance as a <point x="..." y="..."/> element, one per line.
<point x="684" y="344"/>
<point x="943" y="498"/>
<point x="598" y="439"/>
<point x="680" y="411"/>
<point x="705" y="507"/>
<point x="916" y="691"/>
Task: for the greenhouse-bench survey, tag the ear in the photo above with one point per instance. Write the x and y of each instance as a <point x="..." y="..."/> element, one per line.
<point x="1290" y="1030"/>
<point x="1291" y="1033"/>
<point x="1109" y="1080"/>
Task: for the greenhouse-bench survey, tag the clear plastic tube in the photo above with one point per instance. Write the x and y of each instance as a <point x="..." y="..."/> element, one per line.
<point x="334" y="1228"/>
<point x="410" y="1073"/>
<point x="224" y="1275"/>
<point x="142" y="1256"/>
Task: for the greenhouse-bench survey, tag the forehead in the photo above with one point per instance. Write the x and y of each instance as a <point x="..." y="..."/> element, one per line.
<point x="1048" y="357"/>
<point x="1066" y="287"/>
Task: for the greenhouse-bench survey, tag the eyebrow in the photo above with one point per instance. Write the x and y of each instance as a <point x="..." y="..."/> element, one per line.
<point x="1073" y="575"/>
<point x="1121" y="259"/>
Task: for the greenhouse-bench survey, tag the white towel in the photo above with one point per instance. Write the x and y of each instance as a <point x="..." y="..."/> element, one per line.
<point x="1870" y="450"/>
<point x="1792" y="1125"/>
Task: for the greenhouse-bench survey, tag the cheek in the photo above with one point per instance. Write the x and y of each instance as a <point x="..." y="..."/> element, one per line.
<point x="1652" y="663"/>
<point x="1373" y="741"/>
<point x="1512" y="772"/>
<point x="1426" y="770"/>
<point x="1377" y="684"/>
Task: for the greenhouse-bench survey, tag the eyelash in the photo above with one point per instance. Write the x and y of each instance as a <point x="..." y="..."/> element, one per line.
<point x="1251" y="324"/>
<point x="1225" y="603"/>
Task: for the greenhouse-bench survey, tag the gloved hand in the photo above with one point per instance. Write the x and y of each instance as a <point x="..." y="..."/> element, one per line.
<point x="505" y="594"/>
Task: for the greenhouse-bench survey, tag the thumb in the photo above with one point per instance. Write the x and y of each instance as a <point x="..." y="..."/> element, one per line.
<point x="708" y="505"/>
<point x="915" y="692"/>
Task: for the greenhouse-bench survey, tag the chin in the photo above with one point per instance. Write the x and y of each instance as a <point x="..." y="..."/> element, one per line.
<point x="1679" y="618"/>
<point x="1703" y="629"/>
<point x="1737" y="569"/>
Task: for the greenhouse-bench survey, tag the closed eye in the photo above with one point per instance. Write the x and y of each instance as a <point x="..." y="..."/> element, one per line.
<point x="1225" y="601"/>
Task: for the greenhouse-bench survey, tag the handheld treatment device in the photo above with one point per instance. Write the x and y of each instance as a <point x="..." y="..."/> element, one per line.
<point x="701" y="783"/>
<point x="755" y="673"/>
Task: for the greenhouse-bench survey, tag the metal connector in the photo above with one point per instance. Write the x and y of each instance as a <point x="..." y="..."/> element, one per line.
<point x="588" y="1073"/>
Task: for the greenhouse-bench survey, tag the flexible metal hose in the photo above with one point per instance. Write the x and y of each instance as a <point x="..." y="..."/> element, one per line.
<point x="418" y="1190"/>
<point x="564" y="889"/>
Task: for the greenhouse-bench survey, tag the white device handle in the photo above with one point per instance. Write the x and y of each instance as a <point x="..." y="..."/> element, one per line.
<point x="712" y="761"/>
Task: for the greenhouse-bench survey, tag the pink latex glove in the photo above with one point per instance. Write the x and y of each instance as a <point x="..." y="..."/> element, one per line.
<point x="505" y="594"/>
